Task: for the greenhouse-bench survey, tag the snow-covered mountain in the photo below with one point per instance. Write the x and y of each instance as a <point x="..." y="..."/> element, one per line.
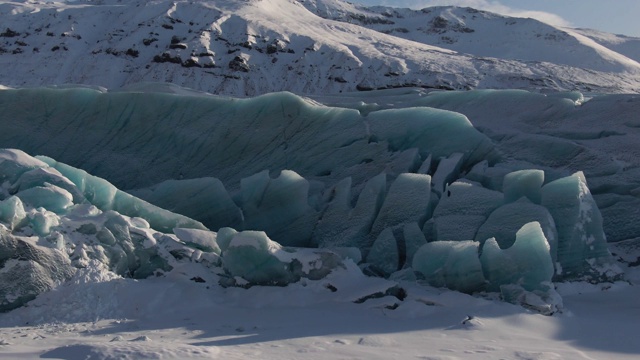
<point x="245" y="48"/>
<point x="626" y="45"/>
<point x="483" y="34"/>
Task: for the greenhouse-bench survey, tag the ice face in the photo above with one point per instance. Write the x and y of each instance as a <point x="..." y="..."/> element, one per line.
<point x="408" y="200"/>
<point x="105" y="196"/>
<point x="342" y="225"/>
<point x="251" y="258"/>
<point x="526" y="263"/>
<point x="279" y="206"/>
<point x="201" y="239"/>
<point x="413" y="240"/>
<point x="581" y="240"/>
<point x="384" y="254"/>
<point x="463" y="208"/>
<point x="50" y="196"/>
<point x="206" y="199"/>
<point x="230" y="139"/>
<point x="527" y="183"/>
<point x="12" y="212"/>
<point x="405" y="189"/>
<point x="451" y="264"/>
<point x="14" y="163"/>
<point x="504" y="222"/>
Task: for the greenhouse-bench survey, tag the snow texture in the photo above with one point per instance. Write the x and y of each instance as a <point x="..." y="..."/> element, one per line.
<point x="249" y="48"/>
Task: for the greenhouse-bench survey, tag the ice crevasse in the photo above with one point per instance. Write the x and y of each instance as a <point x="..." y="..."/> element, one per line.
<point x="392" y="191"/>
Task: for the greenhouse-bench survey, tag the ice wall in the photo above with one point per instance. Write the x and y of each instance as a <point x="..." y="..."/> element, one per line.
<point x="413" y="191"/>
<point x="48" y="234"/>
<point x="559" y="133"/>
<point x="86" y="220"/>
<point x="139" y="140"/>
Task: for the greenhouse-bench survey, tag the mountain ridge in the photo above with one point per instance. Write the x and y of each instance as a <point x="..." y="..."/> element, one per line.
<point x="307" y="47"/>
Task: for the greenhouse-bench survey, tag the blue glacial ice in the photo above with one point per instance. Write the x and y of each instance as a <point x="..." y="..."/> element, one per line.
<point x="452" y="264"/>
<point x="137" y="140"/>
<point x="275" y="189"/>
<point x="582" y="242"/>
<point x="527" y="262"/>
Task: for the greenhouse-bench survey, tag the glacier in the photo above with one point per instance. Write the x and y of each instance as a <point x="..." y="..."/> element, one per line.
<point x="279" y="188"/>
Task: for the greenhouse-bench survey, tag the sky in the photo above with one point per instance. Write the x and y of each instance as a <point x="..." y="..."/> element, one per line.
<point x="614" y="16"/>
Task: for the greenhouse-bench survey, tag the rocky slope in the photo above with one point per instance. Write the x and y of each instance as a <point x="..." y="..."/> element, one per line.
<point x="244" y="48"/>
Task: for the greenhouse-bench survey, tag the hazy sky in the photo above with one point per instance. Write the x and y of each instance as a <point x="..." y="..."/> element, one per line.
<point x="615" y="16"/>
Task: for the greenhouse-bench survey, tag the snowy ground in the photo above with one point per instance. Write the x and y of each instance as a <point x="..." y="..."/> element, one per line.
<point x="171" y="318"/>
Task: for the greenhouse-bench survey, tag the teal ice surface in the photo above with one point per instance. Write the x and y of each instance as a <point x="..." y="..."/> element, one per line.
<point x="451" y="264"/>
<point x="505" y="221"/>
<point x="384" y="253"/>
<point x="408" y="200"/>
<point x="204" y="198"/>
<point x="463" y="208"/>
<point x="137" y="140"/>
<point x="378" y="183"/>
<point x="526" y="263"/>
<point x="279" y="206"/>
<point x="12" y="212"/>
<point x="527" y="183"/>
<point x="106" y="196"/>
<point x="581" y="240"/>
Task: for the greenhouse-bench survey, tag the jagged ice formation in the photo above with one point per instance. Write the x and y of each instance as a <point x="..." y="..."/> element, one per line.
<point x="285" y="189"/>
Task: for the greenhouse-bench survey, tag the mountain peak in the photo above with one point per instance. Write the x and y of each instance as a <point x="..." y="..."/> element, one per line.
<point x="251" y="47"/>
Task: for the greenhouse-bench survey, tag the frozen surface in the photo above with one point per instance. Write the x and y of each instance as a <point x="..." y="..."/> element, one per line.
<point x="582" y="243"/>
<point x="229" y="139"/>
<point x="556" y="133"/>
<point x="384" y="254"/>
<point x="309" y="175"/>
<point x="205" y="199"/>
<point x="526" y="263"/>
<point x="527" y="183"/>
<point x="451" y="264"/>
<point x="90" y="237"/>
<point x="464" y="207"/>
<point x="505" y="221"/>
<point x="408" y="200"/>
<point x="279" y="206"/>
<point x="492" y="193"/>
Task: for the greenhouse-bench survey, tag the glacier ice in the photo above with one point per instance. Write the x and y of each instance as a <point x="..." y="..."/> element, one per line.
<point x="202" y="136"/>
<point x="582" y="243"/>
<point x="504" y="222"/>
<point x="384" y="255"/>
<point x="447" y="171"/>
<point x="400" y="193"/>
<point x="12" y="212"/>
<point x="407" y="200"/>
<point x="200" y="239"/>
<point x="452" y="264"/>
<point x="105" y="196"/>
<point x="527" y="183"/>
<point x="526" y="263"/>
<point x="344" y="225"/>
<point x="279" y="206"/>
<point x="205" y="198"/>
<point x="463" y="208"/>
<point x="49" y="196"/>
<point x="251" y="258"/>
<point x="556" y="133"/>
<point x="414" y="239"/>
